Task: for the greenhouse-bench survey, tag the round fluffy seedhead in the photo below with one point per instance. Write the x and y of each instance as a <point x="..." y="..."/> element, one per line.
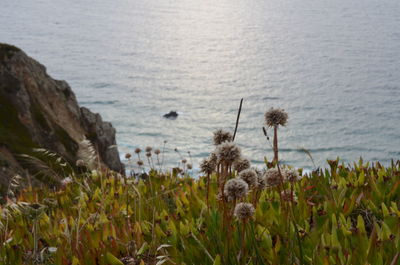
<point x="221" y="136"/>
<point x="138" y="150"/>
<point x="207" y="167"/>
<point x="244" y="210"/>
<point x="157" y="151"/>
<point x="128" y="155"/>
<point x="291" y="175"/>
<point x="213" y="158"/>
<point x="228" y="153"/>
<point x="80" y="163"/>
<point x="235" y="188"/>
<point x="272" y="177"/>
<point x="275" y="117"/>
<point x="249" y="176"/>
<point x="241" y="164"/>
<point x="261" y="183"/>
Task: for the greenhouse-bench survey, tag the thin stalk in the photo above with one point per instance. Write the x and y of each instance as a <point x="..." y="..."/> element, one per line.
<point x="297" y="236"/>
<point x="242" y="253"/>
<point x="275" y="143"/>
<point x="237" y="119"/>
<point x="208" y="190"/>
<point x="162" y="160"/>
<point x="35" y="239"/>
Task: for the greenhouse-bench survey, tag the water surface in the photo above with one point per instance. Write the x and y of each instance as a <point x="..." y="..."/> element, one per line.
<point x="333" y="65"/>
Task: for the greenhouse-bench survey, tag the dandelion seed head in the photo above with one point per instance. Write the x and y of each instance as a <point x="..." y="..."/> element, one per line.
<point x="244" y="210"/>
<point x="221" y="136"/>
<point x="235" y="188"/>
<point x="241" y="164"/>
<point x="272" y="177"/>
<point x="228" y="152"/>
<point x="148" y="149"/>
<point x="249" y="176"/>
<point x="261" y="183"/>
<point x="207" y="167"/>
<point x="213" y="158"/>
<point x="275" y="117"/>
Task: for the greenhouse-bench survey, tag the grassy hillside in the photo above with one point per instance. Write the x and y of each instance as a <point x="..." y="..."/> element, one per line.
<point x="344" y="215"/>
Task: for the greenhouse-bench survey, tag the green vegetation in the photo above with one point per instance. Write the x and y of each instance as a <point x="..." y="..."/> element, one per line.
<point x="344" y="215"/>
<point x="233" y="214"/>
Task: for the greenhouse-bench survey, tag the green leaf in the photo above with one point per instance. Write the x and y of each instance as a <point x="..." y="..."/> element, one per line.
<point x="113" y="260"/>
<point x="217" y="260"/>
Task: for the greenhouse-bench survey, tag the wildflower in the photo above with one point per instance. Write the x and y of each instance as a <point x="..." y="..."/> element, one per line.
<point x="148" y="149"/>
<point x="241" y="164"/>
<point x="249" y="176"/>
<point x="213" y="158"/>
<point x="221" y="136"/>
<point x="157" y="151"/>
<point x="261" y="182"/>
<point x="80" y="163"/>
<point x="207" y="167"/>
<point x="244" y="210"/>
<point x="272" y="177"/>
<point x="189" y="166"/>
<point x="275" y="117"/>
<point x="140" y="163"/>
<point x="235" y="188"/>
<point x="128" y="155"/>
<point x="291" y="175"/>
<point x="228" y="152"/>
<point x="138" y="150"/>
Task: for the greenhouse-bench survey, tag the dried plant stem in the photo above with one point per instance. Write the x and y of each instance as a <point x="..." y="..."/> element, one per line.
<point x="237" y="119"/>
<point x="275" y="144"/>
<point x="242" y="253"/>
<point x="208" y="191"/>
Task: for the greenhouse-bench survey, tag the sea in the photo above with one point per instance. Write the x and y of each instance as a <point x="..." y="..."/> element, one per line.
<point x="332" y="65"/>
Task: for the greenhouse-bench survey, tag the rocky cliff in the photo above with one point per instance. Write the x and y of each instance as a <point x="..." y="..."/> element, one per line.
<point x="38" y="111"/>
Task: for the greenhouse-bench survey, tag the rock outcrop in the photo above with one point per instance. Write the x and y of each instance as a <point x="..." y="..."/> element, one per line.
<point x="38" y="111"/>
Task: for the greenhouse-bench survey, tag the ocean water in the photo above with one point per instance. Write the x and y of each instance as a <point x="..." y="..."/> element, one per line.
<point x="333" y="65"/>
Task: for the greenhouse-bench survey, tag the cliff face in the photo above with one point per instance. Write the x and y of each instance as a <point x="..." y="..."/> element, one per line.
<point x="38" y="111"/>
